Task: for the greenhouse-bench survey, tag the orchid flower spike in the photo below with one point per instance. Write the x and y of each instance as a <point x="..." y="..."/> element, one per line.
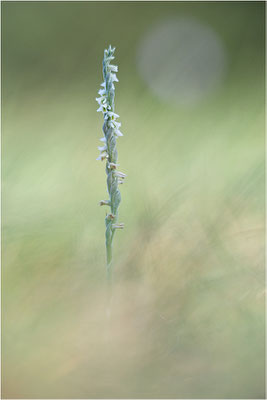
<point x="108" y="151"/>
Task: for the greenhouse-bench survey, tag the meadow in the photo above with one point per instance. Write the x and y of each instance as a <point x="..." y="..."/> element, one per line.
<point x="187" y="317"/>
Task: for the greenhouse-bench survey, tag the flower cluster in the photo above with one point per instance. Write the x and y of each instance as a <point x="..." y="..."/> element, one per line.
<point x="108" y="150"/>
<point x="106" y="100"/>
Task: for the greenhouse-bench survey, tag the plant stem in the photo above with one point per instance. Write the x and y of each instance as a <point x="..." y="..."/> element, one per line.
<point x="109" y="152"/>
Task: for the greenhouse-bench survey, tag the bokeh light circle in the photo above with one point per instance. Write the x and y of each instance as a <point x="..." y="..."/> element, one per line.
<point x="182" y="60"/>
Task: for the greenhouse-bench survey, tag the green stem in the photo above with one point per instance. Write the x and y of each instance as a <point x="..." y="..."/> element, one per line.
<point x="109" y="259"/>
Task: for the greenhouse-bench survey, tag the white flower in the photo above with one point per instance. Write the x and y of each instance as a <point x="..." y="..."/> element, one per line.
<point x="118" y="132"/>
<point x="104" y="203"/>
<point x="100" y="109"/>
<point x="101" y="100"/>
<point x="103" y="139"/>
<point x="108" y="54"/>
<point x="102" y="157"/>
<point x="114" y="124"/>
<point x="114" y="78"/>
<point x="113" y="165"/>
<point x="109" y="58"/>
<point x="104" y="108"/>
<point x="113" y="68"/>
<point x="102" y="148"/>
<point x="110" y="49"/>
<point x="118" y="226"/>
<point x="113" y="116"/>
<point x="102" y="92"/>
<point x="120" y="174"/>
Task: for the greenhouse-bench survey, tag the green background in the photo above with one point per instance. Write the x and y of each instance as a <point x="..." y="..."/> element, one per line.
<point x="187" y="315"/>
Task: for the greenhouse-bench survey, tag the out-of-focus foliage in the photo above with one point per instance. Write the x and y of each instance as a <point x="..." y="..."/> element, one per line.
<point x="188" y="300"/>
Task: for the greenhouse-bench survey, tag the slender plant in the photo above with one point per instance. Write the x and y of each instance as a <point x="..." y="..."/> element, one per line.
<point x="108" y="151"/>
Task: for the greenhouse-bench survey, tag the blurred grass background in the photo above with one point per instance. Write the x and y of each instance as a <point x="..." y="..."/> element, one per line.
<point x="188" y="304"/>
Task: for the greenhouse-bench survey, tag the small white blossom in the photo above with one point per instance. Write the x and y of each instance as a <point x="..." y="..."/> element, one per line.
<point x="109" y="58"/>
<point x="101" y="100"/>
<point x="111" y="115"/>
<point x="120" y="174"/>
<point x="114" y="77"/>
<point x="110" y="49"/>
<point x="102" y="92"/>
<point x="113" y="165"/>
<point x="113" y="68"/>
<point x="102" y="148"/>
<point x="107" y="51"/>
<point x="104" y="108"/>
<point x="104" y="202"/>
<point x="118" y="132"/>
<point x="102" y="157"/>
<point x="118" y="226"/>
<point x="114" y="124"/>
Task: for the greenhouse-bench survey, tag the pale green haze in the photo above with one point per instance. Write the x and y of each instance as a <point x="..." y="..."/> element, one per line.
<point x="187" y="315"/>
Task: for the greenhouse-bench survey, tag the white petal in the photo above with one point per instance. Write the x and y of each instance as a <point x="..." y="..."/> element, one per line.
<point x="101" y="100"/>
<point x="113" y="68"/>
<point x="120" y="174"/>
<point x="117" y="124"/>
<point x="109" y="58"/>
<point x="102" y="157"/>
<point x="118" y="133"/>
<point x="114" y="124"/>
<point x="114" y="115"/>
<point x="114" y="77"/>
<point x="102" y="92"/>
<point x="102" y="148"/>
<point x="110" y="49"/>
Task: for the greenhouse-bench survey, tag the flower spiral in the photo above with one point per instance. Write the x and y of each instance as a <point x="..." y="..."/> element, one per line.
<point x="108" y="151"/>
